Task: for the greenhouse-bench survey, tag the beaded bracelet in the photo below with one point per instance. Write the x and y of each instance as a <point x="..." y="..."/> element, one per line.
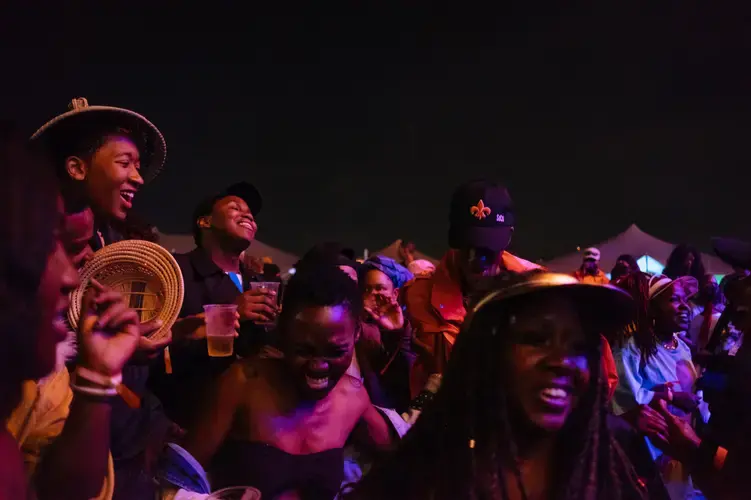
<point x="421" y="400"/>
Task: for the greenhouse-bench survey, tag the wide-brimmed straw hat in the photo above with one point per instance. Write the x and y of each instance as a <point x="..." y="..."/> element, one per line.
<point x="659" y="283"/>
<point x="146" y="273"/>
<point x="68" y="128"/>
<point x="609" y="304"/>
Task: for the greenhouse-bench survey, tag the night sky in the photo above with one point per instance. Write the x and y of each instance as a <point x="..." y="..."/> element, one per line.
<point x="357" y="120"/>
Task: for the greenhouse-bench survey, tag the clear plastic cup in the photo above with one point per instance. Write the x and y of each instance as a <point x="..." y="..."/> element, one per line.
<point x="220" y="329"/>
<point x="269" y="287"/>
<point x="236" y="493"/>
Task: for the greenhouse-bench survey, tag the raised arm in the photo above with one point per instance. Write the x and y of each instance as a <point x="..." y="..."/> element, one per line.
<point x="76" y="462"/>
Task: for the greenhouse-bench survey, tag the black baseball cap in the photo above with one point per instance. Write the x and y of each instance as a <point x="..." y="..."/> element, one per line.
<point x="481" y="216"/>
<point x="243" y="190"/>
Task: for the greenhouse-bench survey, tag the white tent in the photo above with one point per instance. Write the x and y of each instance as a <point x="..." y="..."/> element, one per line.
<point x="651" y="253"/>
<point x="183" y="243"/>
<point x="392" y="251"/>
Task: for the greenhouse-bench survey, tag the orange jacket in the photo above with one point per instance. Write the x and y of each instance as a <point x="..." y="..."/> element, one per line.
<point x="608" y="368"/>
<point x="435" y="306"/>
<point x="598" y="279"/>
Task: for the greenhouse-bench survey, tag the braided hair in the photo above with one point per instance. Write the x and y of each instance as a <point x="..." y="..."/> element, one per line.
<point x="464" y="441"/>
<point x="642" y="328"/>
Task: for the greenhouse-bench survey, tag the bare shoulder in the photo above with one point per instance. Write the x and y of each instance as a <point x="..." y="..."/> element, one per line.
<point x="254" y="371"/>
<point x="351" y="392"/>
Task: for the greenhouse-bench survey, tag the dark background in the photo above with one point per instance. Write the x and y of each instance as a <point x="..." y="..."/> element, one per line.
<point x="356" y="120"/>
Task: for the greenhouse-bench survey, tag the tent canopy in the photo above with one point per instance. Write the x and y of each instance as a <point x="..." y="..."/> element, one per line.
<point x="635" y="242"/>
<point x="392" y="251"/>
<point x="183" y="243"/>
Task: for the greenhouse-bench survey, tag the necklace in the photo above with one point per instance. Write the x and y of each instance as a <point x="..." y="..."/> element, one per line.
<point x="672" y="345"/>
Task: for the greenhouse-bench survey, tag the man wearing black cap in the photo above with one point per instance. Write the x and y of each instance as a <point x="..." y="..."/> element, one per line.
<point x="223" y="227"/>
<point x="481" y="223"/>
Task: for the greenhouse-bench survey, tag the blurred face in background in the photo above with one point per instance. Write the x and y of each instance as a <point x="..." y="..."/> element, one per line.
<point x="78" y="229"/>
<point x="590" y="266"/>
<point x="476" y="263"/>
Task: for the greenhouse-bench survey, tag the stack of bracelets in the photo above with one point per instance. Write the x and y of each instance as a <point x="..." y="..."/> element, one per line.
<point x="94" y="385"/>
<point x="427" y="394"/>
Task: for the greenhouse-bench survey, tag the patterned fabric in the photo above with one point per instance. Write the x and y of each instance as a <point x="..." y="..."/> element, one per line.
<point x="398" y="274"/>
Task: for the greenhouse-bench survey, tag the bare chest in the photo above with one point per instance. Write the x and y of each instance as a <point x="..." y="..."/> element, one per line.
<point x="308" y="428"/>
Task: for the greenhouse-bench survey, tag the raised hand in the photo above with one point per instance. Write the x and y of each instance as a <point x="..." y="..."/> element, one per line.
<point x="386" y="312"/>
<point x="108" y="331"/>
<point x="647" y="421"/>
<point x="681" y="441"/>
<point x="148" y="349"/>
<point x="257" y="306"/>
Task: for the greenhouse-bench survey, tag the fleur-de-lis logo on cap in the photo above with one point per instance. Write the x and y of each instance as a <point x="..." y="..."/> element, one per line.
<point x="480" y="210"/>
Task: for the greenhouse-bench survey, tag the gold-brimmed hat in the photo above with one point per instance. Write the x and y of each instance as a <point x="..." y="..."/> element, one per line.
<point x="146" y="273"/>
<point x="605" y="301"/>
<point x="83" y="119"/>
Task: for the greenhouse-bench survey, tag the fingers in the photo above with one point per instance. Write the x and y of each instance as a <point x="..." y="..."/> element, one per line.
<point x="662" y="408"/>
<point x="114" y="310"/>
<point x="371" y="312"/>
<point x="97" y="286"/>
<point x="254" y="311"/>
<point x="150" y="327"/>
<point x="155" y="345"/>
<point x="260" y="318"/>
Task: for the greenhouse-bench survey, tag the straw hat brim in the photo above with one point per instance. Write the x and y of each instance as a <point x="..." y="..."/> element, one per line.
<point x="150" y="141"/>
<point x="118" y="265"/>
<point x="606" y="302"/>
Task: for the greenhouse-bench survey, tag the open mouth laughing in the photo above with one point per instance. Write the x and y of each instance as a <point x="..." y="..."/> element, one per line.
<point x="556" y="396"/>
<point x="317" y="382"/>
<point x="127" y="197"/>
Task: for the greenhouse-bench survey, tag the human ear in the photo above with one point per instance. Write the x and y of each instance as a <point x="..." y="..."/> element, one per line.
<point x="76" y="168"/>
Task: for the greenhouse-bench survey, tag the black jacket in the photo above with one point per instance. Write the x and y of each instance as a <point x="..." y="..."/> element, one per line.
<point x="193" y="371"/>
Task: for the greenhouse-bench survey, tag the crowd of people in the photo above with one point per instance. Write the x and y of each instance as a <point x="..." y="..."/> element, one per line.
<point x="482" y="377"/>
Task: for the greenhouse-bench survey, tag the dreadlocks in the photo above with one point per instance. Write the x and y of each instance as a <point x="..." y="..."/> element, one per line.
<point x="464" y="444"/>
<point x="642" y="328"/>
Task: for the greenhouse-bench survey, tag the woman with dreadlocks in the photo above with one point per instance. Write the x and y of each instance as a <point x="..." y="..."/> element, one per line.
<point x="521" y="411"/>
<point x="654" y="364"/>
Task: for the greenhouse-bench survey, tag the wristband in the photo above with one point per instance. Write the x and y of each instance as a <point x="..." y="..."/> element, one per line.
<point x="98" y="378"/>
<point x="94" y="391"/>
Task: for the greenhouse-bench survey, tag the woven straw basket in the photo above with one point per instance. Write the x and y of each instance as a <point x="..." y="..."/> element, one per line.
<point x="146" y="273"/>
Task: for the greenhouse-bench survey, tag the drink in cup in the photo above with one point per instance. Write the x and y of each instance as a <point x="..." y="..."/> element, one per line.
<point x="268" y="287"/>
<point x="220" y="329"/>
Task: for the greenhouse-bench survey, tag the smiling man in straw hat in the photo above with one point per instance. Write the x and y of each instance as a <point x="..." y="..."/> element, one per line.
<point x="103" y="156"/>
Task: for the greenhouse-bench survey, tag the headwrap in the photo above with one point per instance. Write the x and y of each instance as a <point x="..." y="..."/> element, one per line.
<point x="398" y="274"/>
<point x="421" y="267"/>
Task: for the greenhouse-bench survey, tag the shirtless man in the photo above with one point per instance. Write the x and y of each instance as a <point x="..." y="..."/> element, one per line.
<point x="280" y="424"/>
